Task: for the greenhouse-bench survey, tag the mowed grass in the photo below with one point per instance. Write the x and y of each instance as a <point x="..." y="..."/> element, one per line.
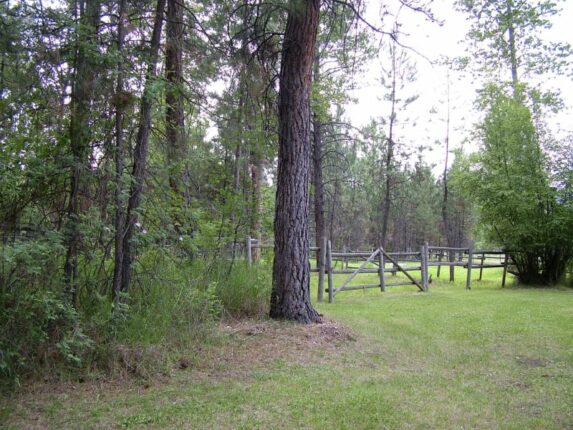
<point x="489" y="358"/>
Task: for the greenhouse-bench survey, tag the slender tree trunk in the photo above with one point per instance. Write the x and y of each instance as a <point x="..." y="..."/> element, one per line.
<point x="256" y="200"/>
<point x="250" y="70"/>
<point x="333" y="205"/>
<point x="237" y="166"/>
<point x="82" y="96"/>
<point x="119" y="153"/>
<point x="175" y="115"/>
<point x="237" y="161"/>
<point x="389" y="155"/>
<point x="2" y="67"/>
<point x="290" y="296"/>
<point x="141" y="149"/>
<point x="320" y="226"/>
<point x="448" y="231"/>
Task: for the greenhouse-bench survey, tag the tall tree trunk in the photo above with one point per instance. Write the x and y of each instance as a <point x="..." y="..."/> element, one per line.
<point x="251" y="70"/>
<point x="389" y="153"/>
<point x="237" y="170"/>
<point x="448" y="231"/>
<point x="141" y="149"/>
<point x="320" y="226"/>
<point x="119" y="153"/>
<point x="82" y="96"/>
<point x="290" y="296"/>
<point x="251" y="74"/>
<point x="238" y="159"/>
<point x="175" y="115"/>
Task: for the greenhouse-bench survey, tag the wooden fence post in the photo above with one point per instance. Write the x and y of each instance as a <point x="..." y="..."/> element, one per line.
<point x="440" y="256"/>
<point x="381" y="265"/>
<point x="424" y="266"/>
<point x="329" y="267"/>
<point x="249" y="251"/>
<point x="422" y="273"/>
<point x="321" y="266"/>
<point x="505" y="262"/>
<point x="469" y="270"/>
<point x="481" y="268"/>
<point x="427" y="265"/>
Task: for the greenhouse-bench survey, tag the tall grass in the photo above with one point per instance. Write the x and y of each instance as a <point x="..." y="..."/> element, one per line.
<point x="175" y="306"/>
<point x="171" y="309"/>
<point x="243" y="291"/>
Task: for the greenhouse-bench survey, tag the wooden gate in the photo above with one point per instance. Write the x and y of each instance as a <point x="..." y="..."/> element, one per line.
<point x="378" y="257"/>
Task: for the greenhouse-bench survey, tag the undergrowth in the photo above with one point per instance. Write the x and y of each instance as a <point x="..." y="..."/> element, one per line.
<point x="169" y="313"/>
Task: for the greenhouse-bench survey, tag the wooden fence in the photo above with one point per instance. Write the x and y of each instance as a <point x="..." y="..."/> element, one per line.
<point x="376" y="261"/>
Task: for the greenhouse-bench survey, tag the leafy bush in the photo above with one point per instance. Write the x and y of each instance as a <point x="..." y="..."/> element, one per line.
<point x="29" y="263"/>
<point x="519" y="208"/>
<point x="38" y="331"/>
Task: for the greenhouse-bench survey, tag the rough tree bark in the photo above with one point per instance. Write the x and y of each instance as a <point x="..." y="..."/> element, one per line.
<point x="175" y="115"/>
<point x="82" y="95"/>
<point x="141" y="149"/>
<point x="290" y="296"/>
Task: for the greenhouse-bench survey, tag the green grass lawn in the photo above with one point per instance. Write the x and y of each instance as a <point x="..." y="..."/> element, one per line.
<point x="488" y="358"/>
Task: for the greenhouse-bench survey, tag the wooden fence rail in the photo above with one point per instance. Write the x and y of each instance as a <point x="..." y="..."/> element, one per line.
<point x="428" y="256"/>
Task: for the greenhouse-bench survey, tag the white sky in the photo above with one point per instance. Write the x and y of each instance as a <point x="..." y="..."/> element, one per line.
<point x="435" y="41"/>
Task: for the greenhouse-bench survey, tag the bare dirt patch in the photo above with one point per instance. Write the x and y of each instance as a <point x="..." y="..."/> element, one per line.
<point x="531" y="362"/>
<point x="251" y="343"/>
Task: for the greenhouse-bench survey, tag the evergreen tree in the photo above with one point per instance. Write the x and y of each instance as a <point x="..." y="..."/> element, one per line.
<point x="290" y="297"/>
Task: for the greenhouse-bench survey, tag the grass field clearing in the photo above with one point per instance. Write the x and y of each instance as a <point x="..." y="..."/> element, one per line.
<point x="451" y="358"/>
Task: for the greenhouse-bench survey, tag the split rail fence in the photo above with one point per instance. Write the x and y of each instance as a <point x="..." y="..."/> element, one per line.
<point x="380" y="262"/>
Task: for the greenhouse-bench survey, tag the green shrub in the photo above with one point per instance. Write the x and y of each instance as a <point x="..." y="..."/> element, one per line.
<point x="39" y="331"/>
<point x="170" y="312"/>
<point x="31" y="263"/>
